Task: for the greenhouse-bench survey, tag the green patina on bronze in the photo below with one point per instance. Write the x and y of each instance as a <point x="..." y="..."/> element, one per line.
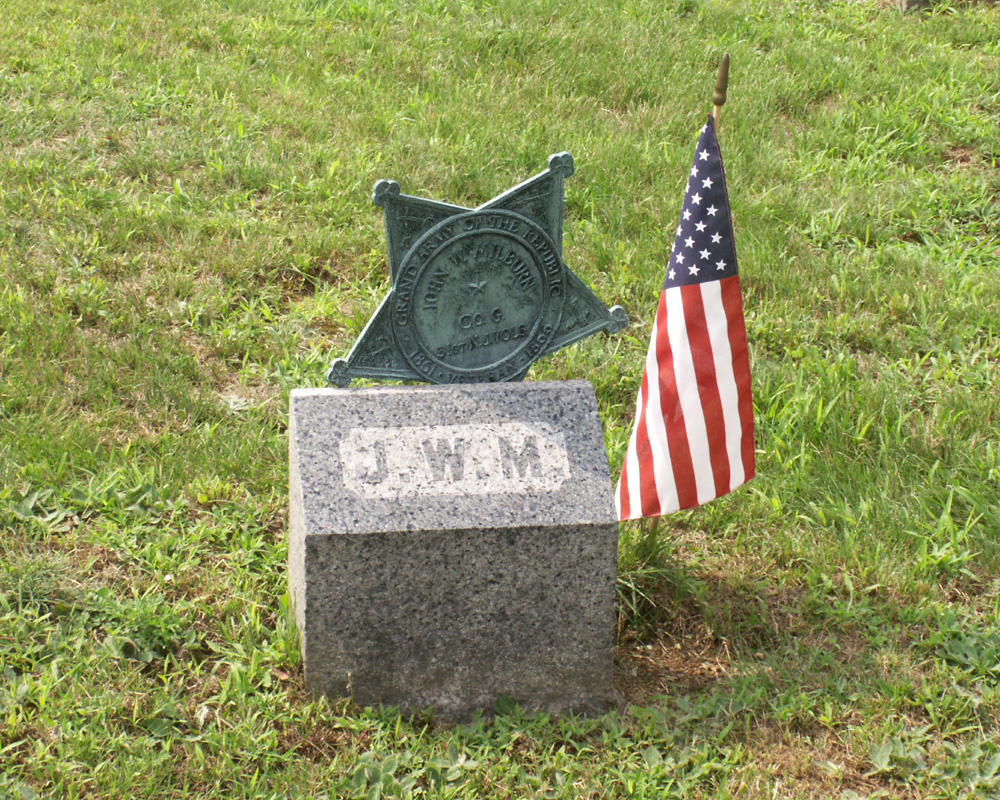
<point x="477" y="294"/>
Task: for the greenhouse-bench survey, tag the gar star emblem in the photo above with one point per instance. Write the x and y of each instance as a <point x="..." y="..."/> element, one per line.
<point x="477" y="294"/>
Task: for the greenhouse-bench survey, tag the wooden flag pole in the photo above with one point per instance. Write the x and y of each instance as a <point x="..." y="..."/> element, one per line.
<point x="719" y="95"/>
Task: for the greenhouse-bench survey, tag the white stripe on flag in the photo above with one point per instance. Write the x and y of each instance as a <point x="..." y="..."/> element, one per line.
<point x="663" y="473"/>
<point x="690" y="399"/>
<point x="722" y="353"/>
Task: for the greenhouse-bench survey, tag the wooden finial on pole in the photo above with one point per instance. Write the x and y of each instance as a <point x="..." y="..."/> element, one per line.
<point x="719" y="95"/>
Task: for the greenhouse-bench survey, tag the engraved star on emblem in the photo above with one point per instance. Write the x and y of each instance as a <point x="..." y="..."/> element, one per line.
<point x="443" y="321"/>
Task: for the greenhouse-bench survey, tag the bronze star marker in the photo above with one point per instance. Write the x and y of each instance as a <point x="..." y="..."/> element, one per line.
<point x="477" y="294"/>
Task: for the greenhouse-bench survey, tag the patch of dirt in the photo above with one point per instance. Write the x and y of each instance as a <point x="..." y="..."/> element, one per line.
<point x="240" y="395"/>
<point x="302" y="282"/>
<point x="84" y="565"/>
<point x="818" y="767"/>
<point x="322" y="743"/>
<point x="96" y="565"/>
<point x="960" y="156"/>
<point x="666" y="667"/>
<point x="19" y="746"/>
<point x="694" y="641"/>
<point x="682" y="655"/>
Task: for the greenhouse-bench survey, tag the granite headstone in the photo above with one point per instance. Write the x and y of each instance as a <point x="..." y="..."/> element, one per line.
<point x="452" y="545"/>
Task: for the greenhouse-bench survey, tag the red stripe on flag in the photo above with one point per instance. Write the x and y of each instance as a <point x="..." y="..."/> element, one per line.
<point x="624" y="506"/>
<point x="733" y="302"/>
<point x="647" y="486"/>
<point x="708" y="387"/>
<point x="673" y="415"/>
<point x="649" y="497"/>
<point x="622" y="495"/>
<point x="638" y="445"/>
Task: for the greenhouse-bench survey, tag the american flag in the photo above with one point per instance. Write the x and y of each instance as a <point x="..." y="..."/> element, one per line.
<point x="693" y="435"/>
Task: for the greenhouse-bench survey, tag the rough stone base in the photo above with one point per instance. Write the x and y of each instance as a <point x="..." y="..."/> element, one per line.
<point x="451" y="545"/>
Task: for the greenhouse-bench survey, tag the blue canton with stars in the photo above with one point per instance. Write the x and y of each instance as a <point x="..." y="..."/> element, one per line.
<point x="703" y="247"/>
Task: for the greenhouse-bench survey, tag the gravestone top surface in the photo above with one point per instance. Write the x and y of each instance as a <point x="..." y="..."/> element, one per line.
<point x="469" y="456"/>
<point x="479" y="294"/>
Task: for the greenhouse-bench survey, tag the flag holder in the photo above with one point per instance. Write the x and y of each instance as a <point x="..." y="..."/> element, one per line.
<point x="719" y="95"/>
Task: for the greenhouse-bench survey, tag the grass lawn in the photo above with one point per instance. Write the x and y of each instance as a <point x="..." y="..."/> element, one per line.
<point x="186" y="234"/>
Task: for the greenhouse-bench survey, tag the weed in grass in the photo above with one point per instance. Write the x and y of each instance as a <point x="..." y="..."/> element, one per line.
<point x="648" y="574"/>
<point x="945" y="552"/>
<point x="30" y="583"/>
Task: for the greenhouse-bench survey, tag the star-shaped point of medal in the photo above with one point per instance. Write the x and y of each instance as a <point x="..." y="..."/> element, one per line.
<point x="409" y="218"/>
